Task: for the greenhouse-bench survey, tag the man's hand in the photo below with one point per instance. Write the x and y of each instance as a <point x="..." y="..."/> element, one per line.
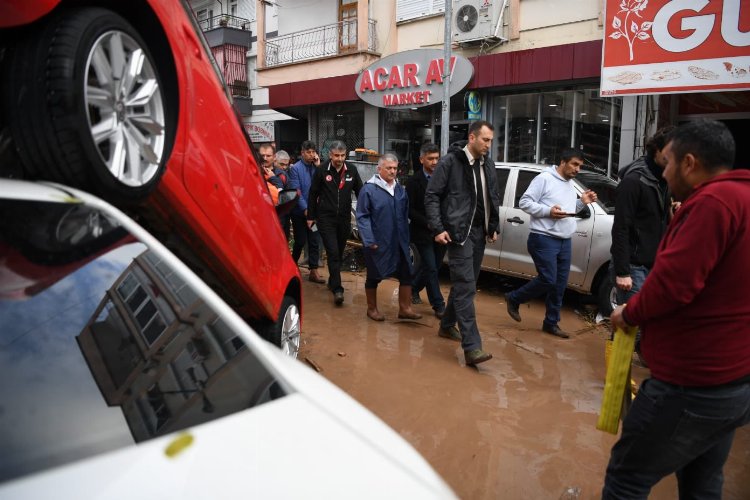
<point x="492" y="238"/>
<point x="374" y="246"/>
<point x="588" y="196"/>
<point x="617" y="320"/>
<point x="310" y="223"/>
<point x="557" y="213"/>
<point x="443" y="238"/>
<point x="624" y="282"/>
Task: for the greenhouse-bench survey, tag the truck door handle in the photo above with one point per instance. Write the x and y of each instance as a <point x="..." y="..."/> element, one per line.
<point x="515" y="219"/>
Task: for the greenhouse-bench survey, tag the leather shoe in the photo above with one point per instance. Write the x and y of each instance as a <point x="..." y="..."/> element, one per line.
<point x="338" y="298"/>
<point x="451" y="333"/>
<point x="416" y="299"/>
<point x="439" y="313"/>
<point x="554" y="330"/>
<point x="512" y="308"/>
<point x="476" y="356"/>
<point x="316" y="279"/>
<point x="375" y="316"/>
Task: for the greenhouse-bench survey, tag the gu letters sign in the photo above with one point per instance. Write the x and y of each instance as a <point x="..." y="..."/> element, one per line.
<point x="411" y="79"/>
<point x="663" y="46"/>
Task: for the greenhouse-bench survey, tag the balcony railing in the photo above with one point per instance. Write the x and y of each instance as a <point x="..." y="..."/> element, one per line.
<point x="224" y="21"/>
<point x="325" y="41"/>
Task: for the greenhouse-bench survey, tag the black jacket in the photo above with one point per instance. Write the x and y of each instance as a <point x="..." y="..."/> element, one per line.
<point x="329" y="202"/>
<point x="418" y="224"/>
<point x="641" y="216"/>
<point x="451" y="196"/>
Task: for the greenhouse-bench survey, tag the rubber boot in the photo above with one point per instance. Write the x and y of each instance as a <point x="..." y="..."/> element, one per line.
<point x="404" y="304"/>
<point x="372" y="304"/>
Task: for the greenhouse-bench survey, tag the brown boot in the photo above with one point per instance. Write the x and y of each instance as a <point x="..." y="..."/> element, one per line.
<point x="372" y="304"/>
<point x="404" y="304"/>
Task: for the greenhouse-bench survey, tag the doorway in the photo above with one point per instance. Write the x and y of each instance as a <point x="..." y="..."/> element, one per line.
<point x="347" y="26"/>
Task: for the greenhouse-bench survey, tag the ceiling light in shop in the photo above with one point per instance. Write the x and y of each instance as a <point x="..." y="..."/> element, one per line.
<point x="339" y="116"/>
<point x="553" y="105"/>
<point x="605" y="120"/>
<point x="413" y="109"/>
<point x="583" y="114"/>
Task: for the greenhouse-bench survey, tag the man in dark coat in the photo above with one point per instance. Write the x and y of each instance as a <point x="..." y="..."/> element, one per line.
<point x="462" y="208"/>
<point x="430" y="253"/>
<point x="383" y="222"/>
<point x="330" y="206"/>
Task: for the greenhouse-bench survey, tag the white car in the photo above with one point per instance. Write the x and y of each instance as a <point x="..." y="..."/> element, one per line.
<point x="122" y="374"/>
<point x="591" y="241"/>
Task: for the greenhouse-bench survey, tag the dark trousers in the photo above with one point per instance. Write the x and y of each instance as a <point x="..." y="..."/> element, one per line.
<point x="638" y="274"/>
<point x="430" y="256"/>
<point x="464" y="262"/>
<point x="302" y="235"/>
<point x="551" y="257"/>
<point x="334" y="234"/>
<point x="676" y="429"/>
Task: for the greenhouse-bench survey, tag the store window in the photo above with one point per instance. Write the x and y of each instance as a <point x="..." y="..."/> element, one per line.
<point x="404" y="132"/>
<point x="341" y="122"/>
<point x="577" y="118"/>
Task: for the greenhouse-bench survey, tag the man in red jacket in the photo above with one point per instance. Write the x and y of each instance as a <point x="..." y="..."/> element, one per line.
<point x="695" y="325"/>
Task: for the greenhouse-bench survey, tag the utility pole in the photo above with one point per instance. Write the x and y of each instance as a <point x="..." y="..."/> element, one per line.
<point x="445" y="118"/>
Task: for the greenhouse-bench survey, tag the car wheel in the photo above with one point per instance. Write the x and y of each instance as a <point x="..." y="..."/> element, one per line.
<point x="414" y="256"/>
<point x="606" y="296"/>
<point x="285" y="331"/>
<point x="85" y="105"/>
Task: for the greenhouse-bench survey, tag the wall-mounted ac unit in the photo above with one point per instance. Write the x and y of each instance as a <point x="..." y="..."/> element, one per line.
<point x="477" y="20"/>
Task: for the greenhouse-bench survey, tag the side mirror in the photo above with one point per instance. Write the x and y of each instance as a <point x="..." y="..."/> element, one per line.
<point x="287" y="200"/>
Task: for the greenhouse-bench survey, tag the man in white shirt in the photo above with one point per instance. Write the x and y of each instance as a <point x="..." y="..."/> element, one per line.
<point x="552" y="203"/>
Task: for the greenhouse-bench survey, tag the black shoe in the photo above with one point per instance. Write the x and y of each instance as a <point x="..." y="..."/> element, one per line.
<point x="451" y="333"/>
<point x="416" y="299"/>
<point x="338" y="298"/>
<point x="439" y="313"/>
<point x="476" y="356"/>
<point x="554" y="330"/>
<point x="512" y="308"/>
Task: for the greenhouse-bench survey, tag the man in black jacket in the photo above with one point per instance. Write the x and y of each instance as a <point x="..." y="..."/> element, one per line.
<point x="641" y="216"/>
<point x="330" y="206"/>
<point x="461" y="202"/>
<point x="430" y="253"/>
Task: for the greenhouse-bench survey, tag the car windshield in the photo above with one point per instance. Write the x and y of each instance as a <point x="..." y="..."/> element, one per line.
<point x="103" y="344"/>
<point x="604" y="187"/>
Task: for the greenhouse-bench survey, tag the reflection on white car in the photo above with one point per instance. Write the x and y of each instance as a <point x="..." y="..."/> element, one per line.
<point x="123" y="374"/>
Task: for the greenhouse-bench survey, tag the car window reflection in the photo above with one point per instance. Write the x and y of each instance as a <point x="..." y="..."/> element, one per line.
<point x="116" y="349"/>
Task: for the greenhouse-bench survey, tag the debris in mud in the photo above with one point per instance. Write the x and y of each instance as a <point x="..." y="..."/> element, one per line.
<point x="525" y="347"/>
<point x="571" y="493"/>
<point x="342" y="354"/>
<point x="313" y="364"/>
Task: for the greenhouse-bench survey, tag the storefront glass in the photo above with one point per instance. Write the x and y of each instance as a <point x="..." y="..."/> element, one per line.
<point x="404" y="132"/>
<point x="575" y="117"/>
<point x="343" y="122"/>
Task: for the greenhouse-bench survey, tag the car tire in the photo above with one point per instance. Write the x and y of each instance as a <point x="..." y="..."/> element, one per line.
<point x="77" y="115"/>
<point x="606" y="296"/>
<point x="285" y="331"/>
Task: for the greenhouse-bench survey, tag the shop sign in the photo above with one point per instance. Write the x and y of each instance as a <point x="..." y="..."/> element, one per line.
<point x="411" y="79"/>
<point x="260" y="131"/>
<point x="473" y="102"/>
<point x="663" y="46"/>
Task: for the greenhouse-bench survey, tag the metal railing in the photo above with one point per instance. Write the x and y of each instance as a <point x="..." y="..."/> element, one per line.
<point x="325" y="41"/>
<point x="224" y="21"/>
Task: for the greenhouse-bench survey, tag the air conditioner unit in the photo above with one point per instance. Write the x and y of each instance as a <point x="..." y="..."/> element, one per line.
<point x="477" y="20"/>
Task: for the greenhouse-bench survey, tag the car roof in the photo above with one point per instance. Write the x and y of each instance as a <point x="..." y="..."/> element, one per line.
<point x="529" y="166"/>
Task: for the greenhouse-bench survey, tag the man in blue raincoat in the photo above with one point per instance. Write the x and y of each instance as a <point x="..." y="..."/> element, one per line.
<point x="383" y="222"/>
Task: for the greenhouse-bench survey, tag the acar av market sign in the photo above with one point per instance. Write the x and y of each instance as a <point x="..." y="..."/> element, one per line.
<point x="411" y="79"/>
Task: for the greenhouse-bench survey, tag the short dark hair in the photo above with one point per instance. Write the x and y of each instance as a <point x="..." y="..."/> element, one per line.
<point x="476" y="126"/>
<point x="657" y="141"/>
<point x="265" y="145"/>
<point x="307" y="145"/>
<point x="337" y="146"/>
<point x="709" y="141"/>
<point x="428" y="148"/>
<point x="568" y="154"/>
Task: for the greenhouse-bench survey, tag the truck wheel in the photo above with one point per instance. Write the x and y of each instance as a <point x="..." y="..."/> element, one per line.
<point x="606" y="296"/>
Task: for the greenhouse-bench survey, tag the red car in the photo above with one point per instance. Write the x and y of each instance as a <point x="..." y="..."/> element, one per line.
<point x="126" y="101"/>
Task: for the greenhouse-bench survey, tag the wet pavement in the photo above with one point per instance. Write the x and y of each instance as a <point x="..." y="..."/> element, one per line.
<point x="521" y="425"/>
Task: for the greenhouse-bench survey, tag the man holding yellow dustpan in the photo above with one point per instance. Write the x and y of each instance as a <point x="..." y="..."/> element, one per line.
<point x="695" y="326"/>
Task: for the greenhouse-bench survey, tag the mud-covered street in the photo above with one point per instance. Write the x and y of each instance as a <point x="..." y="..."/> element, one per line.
<point x="521" y="425"/>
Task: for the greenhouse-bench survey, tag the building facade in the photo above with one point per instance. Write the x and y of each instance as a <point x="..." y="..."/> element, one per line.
<point x="537" y="67"/>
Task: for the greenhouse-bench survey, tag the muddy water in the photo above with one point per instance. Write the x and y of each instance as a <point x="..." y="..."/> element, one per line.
<point x="520" y="426"/>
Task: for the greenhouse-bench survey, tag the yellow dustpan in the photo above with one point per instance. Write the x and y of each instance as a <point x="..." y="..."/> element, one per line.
<point x="618" y="380"/>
